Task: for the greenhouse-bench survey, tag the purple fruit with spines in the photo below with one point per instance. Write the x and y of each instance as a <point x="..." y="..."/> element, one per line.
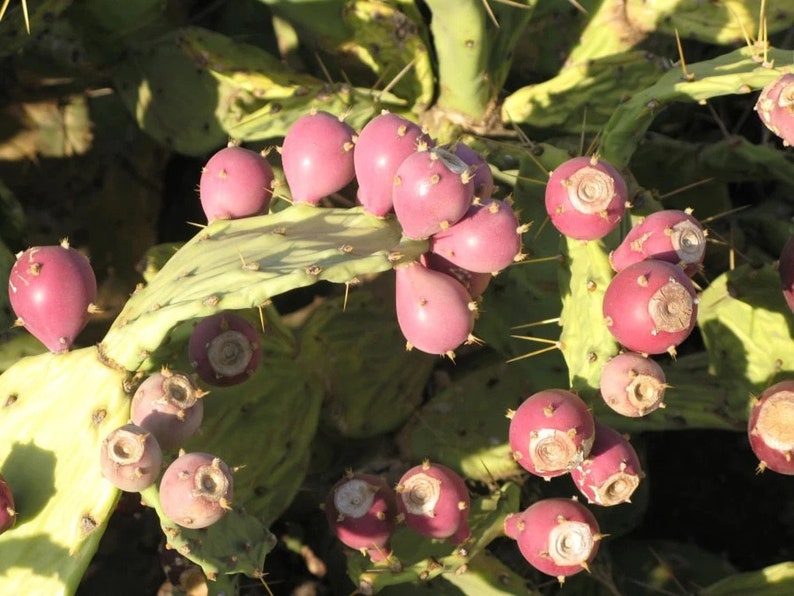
<point x="224" y="349"/>
<point x="362" y="512"/>
<point x="770" y="428"/>
<point x="551" y="432"/>
<point x="52" y="290"/>
<point x="559" y="537"/>
<point x="671" y="235"/>
<point x="775" y="107"/>
<point x="432" y="190"/>
<point x="475" y="283"/>
<point x="650" y="307"/>
<point x="317" y="156"/>
<point x="168" y="404"/>
<point x="131" y="458"/>
<point x="483" y="178"/>
<point x="434" y="501"/>
<point x="785" y="270"/>
<point x="486" y="239"/>
<point x="585" y="198"/>
<point x="434" y="311"/>
<point x="611" y="473"/>
<point x="8" y="513"/>
<point x="196" y="490"/>
<point x="236" y="182"/>
<point x="632" y="384"/>
<point x="382" y="145"/>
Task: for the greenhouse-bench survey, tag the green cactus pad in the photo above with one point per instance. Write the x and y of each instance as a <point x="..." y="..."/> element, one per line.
<point x="232" y="265"/>
<point x="53" y="424"/>
<point x="22" y="19"/>
<point x="775" y="580"/>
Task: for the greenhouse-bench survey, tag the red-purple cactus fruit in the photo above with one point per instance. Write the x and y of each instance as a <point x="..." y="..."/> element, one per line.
<point x="362" y="510"/>
<point x="551" y="432"/>
<point x="475" y="283"/>
<point x="786" y="271"/>
<point x="224" y="349"/>
<point x="8" y="515"/>
<point x="632" y="384"/>
<point x="131" y="458"/>
<point x="586" y="198"/>
<point x="483" y="179"/>
<point x="671" y="235"/>
<point x="775" y="107"/>
<point x="433" y="189"/>
<point x="650" y="307"/>
<point x="236" y="183"/>
<point x="434" y="311"/>
<point x="485" y="240"/>
<point x="168" y="404"/>
<point x="52" y="290"/>
<point x="196" y="490"/>
<point x="434" y="501"/>
<point x="559" y="537"/>
<point x="382" y="145"/>
<point x="317" y="156"/>
<point x="612" y="472"/>
<point x="771" y="428"/>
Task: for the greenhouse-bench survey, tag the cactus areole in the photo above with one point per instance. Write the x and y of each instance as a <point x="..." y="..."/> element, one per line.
<point x="771" y="428"/>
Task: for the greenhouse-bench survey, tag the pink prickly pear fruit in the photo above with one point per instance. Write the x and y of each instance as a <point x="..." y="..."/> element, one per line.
<point x="131" y="458"/>
<point x="196" y="490"/>
<point x="382" y="145"/>
<point x="650" y="306"/>
<point x="168" y="404"/>
<point x="434" y="311"/>
<point x="671" y="235"/>
<point x="475" y="283"/>
<point x="236" y="183"/>
<point x="632" y="384"/>
<point x="786" y="271"/>
<point x="52" y="290"/>
<point x="485" y="240"/>
<point x="8" y="515"/>
<point x="483" y="179"/>
<point x="362" y="510"/>
<point x="224" y="349"/>
<point x="317" y="156"/>
<point x="558" y="537"/>
<point x="771" y="428"/>
<point x="433" y="189"/>
<point x="775" y="107"/>
<point x="551" y="432"/>
<point x="612" y="472"/>
<point x="586" y="198"/>
<point x="434" y="501"/>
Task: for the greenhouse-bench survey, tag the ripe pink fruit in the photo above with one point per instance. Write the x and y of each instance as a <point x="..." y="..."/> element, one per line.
<point x="361" y="510"/>
<point x="485" y="240"/>
<point x="8" y="515"/>
<point x="434" y="502"/>
<point x="559" y="537"/>
<point x="671" y="235"/>
<point x="224" y="349"/>
<point x="551" y="432"/>
<point x="475" y="283"/>
<point x="434" y="310"/>
<point x="52" y="289"/>
<point x="650" y="306"/>
<point x="317" y="156"/>
<point x="236" y="183"/>
<point x="786" y="271"/>
<point x="771" y="428"/>
<point x="168" y="405"/>
<point x="433" y="189"/>
<point x="131" y="458"/>
<point x="611" y="473"/>
<point x="775" y="107"/>
<point x="382" y="145"/>
<point x="632" y="384"/>
<point x="585" y="198"/>
<point x="196" y="490"/>
<point x="483" y="179"/>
